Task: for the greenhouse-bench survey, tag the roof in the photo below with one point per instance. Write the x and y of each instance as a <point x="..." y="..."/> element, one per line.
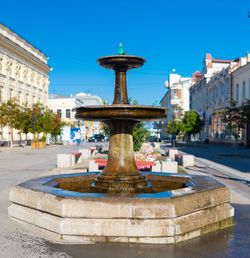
<point x="58" y="96"/>
<point x="221" y="60"/>
<point x="22" y="40"/>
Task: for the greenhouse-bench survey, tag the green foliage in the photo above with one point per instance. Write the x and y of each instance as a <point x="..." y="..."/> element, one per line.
<point x="10" y="114"/>
<point x="236" y="118"/>
<point x="25" y="118"/>
<point x="34" y="120"/>
<point x="105" y="129"/>
<point x="174" y="127"/>
<point x="191" y="123"/>
<point x="56" y="125"/>
<point x="140" y="135"/>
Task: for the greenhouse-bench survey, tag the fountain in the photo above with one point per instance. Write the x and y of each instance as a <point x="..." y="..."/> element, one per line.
<point x="122" y="204"/>
<point x="121" y="174"/>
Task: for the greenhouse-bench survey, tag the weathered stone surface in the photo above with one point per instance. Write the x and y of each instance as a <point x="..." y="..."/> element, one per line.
<point x="93" y="166"/>
<point x="169" y="166"/>
<point x="168" y="217"/>
<point x="171" y="153"/>
<point x="187" y="160"/>
<point x="65" y="160"/>
<point x="156" y="167"/>
<point x="86" y="153"/>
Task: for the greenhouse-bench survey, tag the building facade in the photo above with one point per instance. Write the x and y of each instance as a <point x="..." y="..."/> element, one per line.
<point x="241" y="90"/>
<point x="64" y="105"/>
<point x="210" y="93"/>
<point x="23" y="73"/>
<point x="176" y="99"/>
<point x="219" y="97"/>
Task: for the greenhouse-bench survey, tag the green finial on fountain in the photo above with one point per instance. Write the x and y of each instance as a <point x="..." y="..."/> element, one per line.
<point x="121" y="50"/>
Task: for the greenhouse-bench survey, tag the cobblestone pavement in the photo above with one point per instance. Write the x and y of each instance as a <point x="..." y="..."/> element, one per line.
<point x="20" y="164"/>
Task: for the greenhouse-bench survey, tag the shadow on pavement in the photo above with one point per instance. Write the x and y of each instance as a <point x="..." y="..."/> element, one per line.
<point x="202" y="170"/>
<point x="226" y="155"/>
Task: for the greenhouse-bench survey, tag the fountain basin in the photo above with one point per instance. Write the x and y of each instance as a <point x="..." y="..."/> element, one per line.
<point x="121" y="111"/>
<point x="180" y="208"/>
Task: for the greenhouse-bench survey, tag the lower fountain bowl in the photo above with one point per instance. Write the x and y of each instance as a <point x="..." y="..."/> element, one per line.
<point x="179" y="208"/>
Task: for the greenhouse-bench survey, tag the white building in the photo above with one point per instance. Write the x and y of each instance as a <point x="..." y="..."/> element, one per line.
<point x="23" y="72"/>
<point x="63" y="105"/>
<point x="210" y="91"/>
<point x="176" y="99"/>
<point x="241" y="90"/>
<point x="218" y="99"/>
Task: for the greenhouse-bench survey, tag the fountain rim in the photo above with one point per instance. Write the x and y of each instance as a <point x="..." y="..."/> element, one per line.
<point x="120" y="112"/>
<point x="118" y="106"/>
<point x="195" y="184"/>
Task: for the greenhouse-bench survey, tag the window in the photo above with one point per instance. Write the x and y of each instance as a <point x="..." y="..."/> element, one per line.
<point x="1" y="93"/>
<point x="237" y="92"/>
<point x="27" y="99"/>
<point x="59" y="112"/>
<point x="249" y="89"/>
<point x="11" y="94"/>
<point x="67" y="113"/>
<point x="243" y="89"/>
<point x="19" y="97"/>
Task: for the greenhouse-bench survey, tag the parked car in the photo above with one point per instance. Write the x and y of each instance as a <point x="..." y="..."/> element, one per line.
<point x="97" y="138"/>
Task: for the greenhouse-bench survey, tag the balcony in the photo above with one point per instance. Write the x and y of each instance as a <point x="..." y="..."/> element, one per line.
<point x="175" y="102"/>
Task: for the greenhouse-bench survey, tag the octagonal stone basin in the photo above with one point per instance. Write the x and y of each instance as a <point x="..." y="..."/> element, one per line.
<point x="181" y="207"/>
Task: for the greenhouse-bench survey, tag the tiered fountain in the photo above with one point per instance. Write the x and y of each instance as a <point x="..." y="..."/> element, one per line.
<point x="121" y="174"/>
<point x="121" y="204"/>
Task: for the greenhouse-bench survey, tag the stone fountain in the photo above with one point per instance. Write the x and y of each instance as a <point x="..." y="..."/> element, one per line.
<point x="122" y="204"/>
<point x="121" y="174"/>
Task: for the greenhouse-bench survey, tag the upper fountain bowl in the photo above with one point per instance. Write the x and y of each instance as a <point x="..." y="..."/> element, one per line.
<point x="121" y="62"/>
<point x="123" y="112"/>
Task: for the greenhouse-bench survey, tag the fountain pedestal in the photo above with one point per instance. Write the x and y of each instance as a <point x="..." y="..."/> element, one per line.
<point x="121" y="174"/>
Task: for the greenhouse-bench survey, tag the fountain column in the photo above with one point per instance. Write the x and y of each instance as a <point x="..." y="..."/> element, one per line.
<point x="121" y="173"/>
<point x="121" y="95"/>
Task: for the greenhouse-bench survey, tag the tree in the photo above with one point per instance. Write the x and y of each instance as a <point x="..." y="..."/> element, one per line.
<point x="174" y="127"/>
<point x="10" y="116"/>
<point x="105" y="129"/>
<point x="237" y="118"/>
<point x="34" y="120"/>
<point x="46" y="122"/>
<point x="56" y="125"/>
<point x="191" y="123"/>
<point x="140" y="135"/>
<point x="36" y="114"/>
<point x="25" y="125"/>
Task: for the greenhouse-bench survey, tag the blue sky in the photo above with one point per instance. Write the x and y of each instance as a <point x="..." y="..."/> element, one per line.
<point x="169" y="34"/>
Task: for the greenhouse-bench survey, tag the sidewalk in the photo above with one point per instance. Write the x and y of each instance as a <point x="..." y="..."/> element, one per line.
<point x="20" y="164"/>
<point x="226" y="158"/>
